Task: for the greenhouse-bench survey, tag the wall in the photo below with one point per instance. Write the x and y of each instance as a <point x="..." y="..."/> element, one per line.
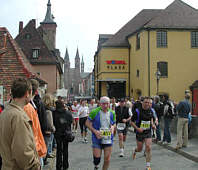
<point x="49" y="77"/>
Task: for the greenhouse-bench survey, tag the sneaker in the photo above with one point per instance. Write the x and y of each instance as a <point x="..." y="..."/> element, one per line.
<point x="178" y="147"/>
<point x="85" y="140"/>
<point x="96" y="167"/>
<point x="121" y="153"/>
<point x="148" y="168"/>
<point x="167" y="143"/>
<point x="134" y="154"/>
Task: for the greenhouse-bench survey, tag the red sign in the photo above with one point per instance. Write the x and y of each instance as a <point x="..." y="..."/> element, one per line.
<point x="115" y="62"/>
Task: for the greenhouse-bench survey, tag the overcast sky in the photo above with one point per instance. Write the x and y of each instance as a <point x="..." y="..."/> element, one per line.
<point x="79" y="22"/>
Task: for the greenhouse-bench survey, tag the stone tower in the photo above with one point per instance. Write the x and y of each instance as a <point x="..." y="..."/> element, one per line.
<point x="77" y="73"/>
<point x="67" y="70"/>
<point x="82" y="65"/>
<point x="49" y="27"/>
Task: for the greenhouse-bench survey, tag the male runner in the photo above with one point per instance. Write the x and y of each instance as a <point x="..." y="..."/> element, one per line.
<point x="101" y="122"/>
<point x="143" y="122"/>
<point x="123" y="116"/>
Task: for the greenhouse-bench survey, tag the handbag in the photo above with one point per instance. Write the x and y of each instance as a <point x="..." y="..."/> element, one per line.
<point x="69" y="136"/>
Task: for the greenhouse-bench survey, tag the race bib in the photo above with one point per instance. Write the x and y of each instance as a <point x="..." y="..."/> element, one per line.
<point x="145" y="125"/>
<point x="121" y="126"/>
<point x="106" y="136"/>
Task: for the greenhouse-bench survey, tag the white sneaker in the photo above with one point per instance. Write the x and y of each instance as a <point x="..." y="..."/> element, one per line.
<point x="121" y="153"/>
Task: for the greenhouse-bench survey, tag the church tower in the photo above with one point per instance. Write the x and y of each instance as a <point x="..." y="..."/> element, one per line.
<point x="82" y="65"/>
<point x="67" y="70"/>
<point x="77" y="73"/>
<point x="49" y="27"/>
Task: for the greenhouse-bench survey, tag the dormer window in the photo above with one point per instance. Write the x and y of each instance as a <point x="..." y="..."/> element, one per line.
<point x="35" y="53"/>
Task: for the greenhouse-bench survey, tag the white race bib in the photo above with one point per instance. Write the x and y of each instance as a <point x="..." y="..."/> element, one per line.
<point x="121" y="126"/>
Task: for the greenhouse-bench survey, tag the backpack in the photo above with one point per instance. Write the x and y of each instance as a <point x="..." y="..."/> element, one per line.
<point x="169" y="110"/>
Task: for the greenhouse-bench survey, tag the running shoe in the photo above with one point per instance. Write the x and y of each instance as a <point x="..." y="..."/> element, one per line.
<point x="121" y="153"/>
<point x="85" y="140"/>
<point x="148" y="168"/>
<point x="96" y="167"/>
<point x="134" y="154"/>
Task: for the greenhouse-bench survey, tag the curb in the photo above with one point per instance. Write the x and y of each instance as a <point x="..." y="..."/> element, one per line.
<point x="180" y="151"/>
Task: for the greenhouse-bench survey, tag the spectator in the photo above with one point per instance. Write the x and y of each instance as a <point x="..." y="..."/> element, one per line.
<point x="31" y="111"/>
<point x="183" y="110"/>
<point x="62" y="121"/>
<point x="48" y="102"/>
<point x="17" y="131"/>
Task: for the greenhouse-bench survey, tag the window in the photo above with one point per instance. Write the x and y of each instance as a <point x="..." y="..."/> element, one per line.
<point x="28" y="36"/>
<point x="161" y="39"/>
<point x="35" y="53"/>
<point x="194" y="39"/>
<point x="163" y="68"/>
<point x="138" y="73"/>
<point x="138" y="41"/>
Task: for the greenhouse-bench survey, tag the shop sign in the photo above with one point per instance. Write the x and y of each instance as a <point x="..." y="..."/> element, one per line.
<point x="115" y="62"/>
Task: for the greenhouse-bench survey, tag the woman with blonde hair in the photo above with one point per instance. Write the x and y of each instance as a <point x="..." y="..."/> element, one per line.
<point x="49" y="104"/>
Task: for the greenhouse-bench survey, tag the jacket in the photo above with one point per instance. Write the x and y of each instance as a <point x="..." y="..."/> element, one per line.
<point x="62" y="121"/>
<point x="17" y="145"/>
<point x="38" y="136"/>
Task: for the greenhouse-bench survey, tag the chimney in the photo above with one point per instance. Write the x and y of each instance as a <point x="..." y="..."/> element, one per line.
<point x="34" y="22"/>
<point x="20" y="26"/>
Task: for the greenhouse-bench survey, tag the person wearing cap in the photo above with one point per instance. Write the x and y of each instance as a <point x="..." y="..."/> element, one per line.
<point x="101" y="122"/>
<point x="123" y="116"/>
<point x="183" y="110"/>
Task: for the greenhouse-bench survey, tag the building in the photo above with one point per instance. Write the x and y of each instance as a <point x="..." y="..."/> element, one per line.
<point x="39" y="45"/>
<point x="13" y="64"/>
<point x="154" y="40"/>
<point x="75" y="78"/>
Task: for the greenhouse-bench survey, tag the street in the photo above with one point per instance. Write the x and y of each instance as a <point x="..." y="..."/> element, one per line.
<point x="80" y="157"/>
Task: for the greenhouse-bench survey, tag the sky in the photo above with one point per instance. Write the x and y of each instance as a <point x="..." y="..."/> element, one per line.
<point x="79" y="22"/>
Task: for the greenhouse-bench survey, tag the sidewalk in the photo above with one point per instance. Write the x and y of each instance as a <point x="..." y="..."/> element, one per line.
<point x="190" y="152"/>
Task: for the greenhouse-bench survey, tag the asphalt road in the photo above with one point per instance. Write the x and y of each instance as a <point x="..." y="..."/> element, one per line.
<point x="80" y="157"/>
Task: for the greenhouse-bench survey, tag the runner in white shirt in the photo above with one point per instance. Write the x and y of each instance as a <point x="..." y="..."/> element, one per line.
<point x="75" y="114"/>
<point x="92" y="105"/>
<point x="83" y="114"/>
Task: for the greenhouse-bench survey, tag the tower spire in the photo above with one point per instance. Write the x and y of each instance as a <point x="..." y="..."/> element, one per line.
<point x="77" y="53"/>
<point x="66" y="55"/>
<point x="49" y="18"/>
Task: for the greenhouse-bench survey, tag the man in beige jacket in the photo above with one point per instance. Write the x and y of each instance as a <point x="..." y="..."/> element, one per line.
<point x="17" y="145"/>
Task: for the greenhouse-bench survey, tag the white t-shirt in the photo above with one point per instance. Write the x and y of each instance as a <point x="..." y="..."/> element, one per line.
<point x="83" y="111"/>
<point x="75" y="111"/>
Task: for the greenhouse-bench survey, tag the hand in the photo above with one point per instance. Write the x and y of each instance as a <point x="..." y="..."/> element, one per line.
<point x="140" y="130"/>
<point x="124" y="120"/>
<point x="153" y="127"/>
<point x="112" y="130"/>
<point x="98" y="134"/>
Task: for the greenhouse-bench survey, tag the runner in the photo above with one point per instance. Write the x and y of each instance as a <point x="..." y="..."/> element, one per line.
<point x="75" y="116"/>
<point x="83" y="114"/>
<point x="143" y="121"/>
<point x="101" y="122"/>
<point x="123" y="116"/>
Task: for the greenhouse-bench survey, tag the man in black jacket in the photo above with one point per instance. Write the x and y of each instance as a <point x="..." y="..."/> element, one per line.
<point x="62" y="122"/>
<point x="123" y="116"/>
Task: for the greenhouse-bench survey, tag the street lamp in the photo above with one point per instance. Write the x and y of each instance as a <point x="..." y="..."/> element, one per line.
<point x="158" y="74"/>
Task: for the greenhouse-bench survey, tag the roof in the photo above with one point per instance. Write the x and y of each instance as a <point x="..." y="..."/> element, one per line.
<point x="49" y="18"/>
<point x="46" y="56"/>
<point x="119" y="39"/>
<point x="84" y="75"/>
<point x="178" y="15"/>
<point x="11" y="67"/>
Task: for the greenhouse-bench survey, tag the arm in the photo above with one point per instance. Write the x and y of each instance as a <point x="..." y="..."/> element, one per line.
<point x="135" y="127"/>
<point x="24" y="153"/>
<point x="88" y="123"/>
